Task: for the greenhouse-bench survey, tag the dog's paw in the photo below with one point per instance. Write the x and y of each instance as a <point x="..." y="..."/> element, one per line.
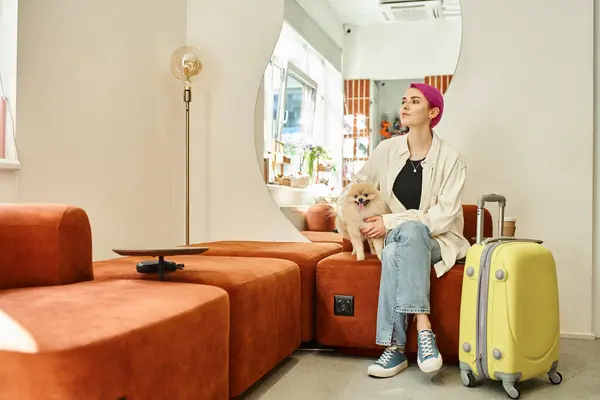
<point x="379" y="256"/>
<point x="353" y="252"/>
<point x="360" y="257"/>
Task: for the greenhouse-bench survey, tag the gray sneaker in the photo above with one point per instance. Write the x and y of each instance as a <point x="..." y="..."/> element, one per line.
<point x="429" y="358"/>
<point x="390" y="363"/>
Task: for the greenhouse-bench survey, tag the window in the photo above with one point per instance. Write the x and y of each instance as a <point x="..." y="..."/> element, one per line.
<point x="298" y="103"/>
<point x="8" y="82"/>
<point x="290" y="105"/>
<point x="296" y="116"/>
<point x="303" y="106"/>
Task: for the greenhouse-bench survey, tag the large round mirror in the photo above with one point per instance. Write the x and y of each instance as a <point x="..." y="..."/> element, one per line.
<point x="316" y="122"/>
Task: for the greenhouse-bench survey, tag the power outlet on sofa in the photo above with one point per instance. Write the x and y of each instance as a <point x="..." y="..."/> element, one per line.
<point x="343" y="305"/>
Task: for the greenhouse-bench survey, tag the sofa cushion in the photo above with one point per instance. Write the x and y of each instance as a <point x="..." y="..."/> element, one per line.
<point x="111" y="340"/>
<point x="44" y="244"/>
<point x="324" y="237"/>
<point x="306" y="255"/>
<point x="320" y="218"/>
<point x="264" y="297"/>
<point x="341" y="274"/>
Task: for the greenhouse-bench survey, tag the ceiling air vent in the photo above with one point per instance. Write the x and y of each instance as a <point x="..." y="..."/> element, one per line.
<point x="410" y="10"/>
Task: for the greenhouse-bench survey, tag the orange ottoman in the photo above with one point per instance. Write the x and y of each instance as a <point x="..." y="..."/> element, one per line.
<point x="264" y="298"/>
<point x="306" y="255"/>
<point x="114" y="340"/>
<point x="341" y="274"/>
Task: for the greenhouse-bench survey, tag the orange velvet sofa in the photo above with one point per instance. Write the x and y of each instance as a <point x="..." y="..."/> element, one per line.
<point x="101" y="330"/>
<point x="65" y="336"/>
<point x="341" y="274"/>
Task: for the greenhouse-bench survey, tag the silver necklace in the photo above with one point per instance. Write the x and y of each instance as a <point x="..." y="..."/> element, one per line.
<point x="415" y="167"/>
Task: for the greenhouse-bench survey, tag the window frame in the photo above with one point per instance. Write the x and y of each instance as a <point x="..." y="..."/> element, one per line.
<point x="292" y="70"/>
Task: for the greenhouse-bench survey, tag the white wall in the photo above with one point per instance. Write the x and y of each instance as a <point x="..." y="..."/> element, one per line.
<point x="402" y="51"/>
<point x="529" y="139"/>
<point x="8" y="186"/>
<point x="326" y="18"/>
<point x="312" y="31"/>
<point x="496" y="107"/>
<point x="98" y="108"/>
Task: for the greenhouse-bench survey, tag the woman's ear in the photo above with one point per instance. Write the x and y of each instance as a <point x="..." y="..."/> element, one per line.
<point x="434" y="112"/>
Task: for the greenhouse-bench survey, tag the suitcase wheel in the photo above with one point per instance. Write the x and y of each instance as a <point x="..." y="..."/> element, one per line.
<point x="468" y="379"/>
<point x="555" y="378"/>
<point x="511" y="390"/>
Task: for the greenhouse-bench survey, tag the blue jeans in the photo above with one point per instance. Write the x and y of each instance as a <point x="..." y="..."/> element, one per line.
<point x="406" y="263"/>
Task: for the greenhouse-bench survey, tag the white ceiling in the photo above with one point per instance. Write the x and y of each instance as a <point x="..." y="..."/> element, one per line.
<point x="365" y="12"/>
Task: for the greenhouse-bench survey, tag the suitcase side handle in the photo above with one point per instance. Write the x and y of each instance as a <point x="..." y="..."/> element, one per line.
<point x="490" y="198"/>
<point x="510" y="238"/>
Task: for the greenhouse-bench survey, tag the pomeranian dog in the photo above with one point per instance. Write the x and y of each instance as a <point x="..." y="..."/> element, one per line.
<point x="360" y="201"/>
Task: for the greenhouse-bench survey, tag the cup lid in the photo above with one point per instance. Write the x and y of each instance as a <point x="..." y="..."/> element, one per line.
<point x="509" y="219"/>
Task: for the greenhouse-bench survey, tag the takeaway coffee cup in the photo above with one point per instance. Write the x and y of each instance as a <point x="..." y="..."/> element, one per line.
<point x="509" y="226"/>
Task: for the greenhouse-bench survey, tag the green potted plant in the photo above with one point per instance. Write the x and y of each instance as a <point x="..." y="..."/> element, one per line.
<point x="313" y="154"/>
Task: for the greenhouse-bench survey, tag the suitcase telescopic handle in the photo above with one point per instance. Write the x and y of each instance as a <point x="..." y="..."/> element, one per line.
<point x="490" y="198"/>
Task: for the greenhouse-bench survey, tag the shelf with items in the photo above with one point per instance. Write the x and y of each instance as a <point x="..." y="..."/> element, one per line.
<point x="389" y="130"/>
<point x="274" y="164"/>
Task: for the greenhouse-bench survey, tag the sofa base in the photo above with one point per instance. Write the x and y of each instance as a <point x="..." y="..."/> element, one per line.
<point x="264" y="302"/>
<point x="306" y="255"/>
<point x="111" y="340"/>
<point x="341" y="274"/>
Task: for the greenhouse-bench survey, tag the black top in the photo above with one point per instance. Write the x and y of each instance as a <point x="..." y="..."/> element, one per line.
<point x="408" y="184"/>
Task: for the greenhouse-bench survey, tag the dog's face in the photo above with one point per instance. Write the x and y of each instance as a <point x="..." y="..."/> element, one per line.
<point x="361" y="194"/>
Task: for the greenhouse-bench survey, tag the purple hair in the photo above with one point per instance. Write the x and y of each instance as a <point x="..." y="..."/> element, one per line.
<point x="434" y="97"/>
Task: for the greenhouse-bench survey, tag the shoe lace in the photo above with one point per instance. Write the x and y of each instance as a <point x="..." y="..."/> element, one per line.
<point x="426" y="343"/>
<point x="386" y="356"/>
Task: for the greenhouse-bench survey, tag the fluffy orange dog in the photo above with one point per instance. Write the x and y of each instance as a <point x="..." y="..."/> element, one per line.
<point x="360" y="201"/>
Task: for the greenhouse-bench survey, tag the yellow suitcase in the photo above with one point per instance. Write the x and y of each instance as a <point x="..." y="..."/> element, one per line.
<point x="509" y="316"/>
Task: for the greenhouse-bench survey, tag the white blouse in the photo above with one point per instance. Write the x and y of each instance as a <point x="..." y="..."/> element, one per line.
<point x="444" y="174"/>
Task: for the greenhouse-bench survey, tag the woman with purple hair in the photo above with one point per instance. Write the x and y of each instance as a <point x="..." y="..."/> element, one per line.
<point x="422" y="179"/>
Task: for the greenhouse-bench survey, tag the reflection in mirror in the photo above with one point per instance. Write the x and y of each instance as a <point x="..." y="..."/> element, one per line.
<point x="316" y="124"/>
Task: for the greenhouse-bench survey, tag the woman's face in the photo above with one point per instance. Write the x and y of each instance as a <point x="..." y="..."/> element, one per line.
<point x="415" y="110"/>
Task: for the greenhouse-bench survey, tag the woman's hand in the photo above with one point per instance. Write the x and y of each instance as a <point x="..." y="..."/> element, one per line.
<point x="377" y="228"/>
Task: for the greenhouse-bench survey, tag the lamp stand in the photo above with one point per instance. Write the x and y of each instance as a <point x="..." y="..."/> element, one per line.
<point x="187" y="98"/>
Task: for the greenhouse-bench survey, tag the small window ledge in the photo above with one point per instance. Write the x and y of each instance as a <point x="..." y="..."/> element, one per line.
<point x="10" y="164"/>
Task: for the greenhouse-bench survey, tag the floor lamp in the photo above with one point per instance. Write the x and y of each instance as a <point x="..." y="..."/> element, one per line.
<point x="185" y="66"/>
